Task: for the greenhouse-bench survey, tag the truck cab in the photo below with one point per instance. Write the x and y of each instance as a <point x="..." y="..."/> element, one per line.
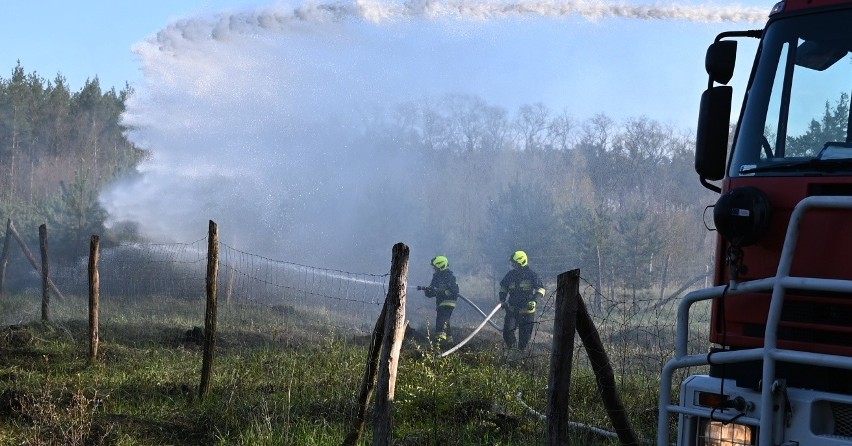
<point x="780" y="370"/>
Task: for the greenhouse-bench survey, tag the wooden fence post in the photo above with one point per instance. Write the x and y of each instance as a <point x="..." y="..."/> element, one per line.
<point x="32" y="259"/>
<point x="391" y="344"/>
<point x="94" y="297"/>
<point x="45" y="274"/>
<point x="210" y="314"/>
<point x="562" y="357"/>
<point x="368" y="381"/>
<point x="4" y="258"/>
<point x="604" y="376"/>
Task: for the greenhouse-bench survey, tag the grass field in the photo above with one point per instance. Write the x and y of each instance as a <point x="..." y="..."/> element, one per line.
<point x="280" y="378"/>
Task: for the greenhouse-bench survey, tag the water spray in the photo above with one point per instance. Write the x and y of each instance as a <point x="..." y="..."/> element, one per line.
<point x="252" y="117"/>
<point x="284" y="19"/>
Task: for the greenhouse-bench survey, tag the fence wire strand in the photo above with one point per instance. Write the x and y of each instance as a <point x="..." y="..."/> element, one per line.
<point x="301" y="305"/>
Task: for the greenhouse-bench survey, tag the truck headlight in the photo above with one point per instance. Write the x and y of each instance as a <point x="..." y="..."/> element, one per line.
<point x="716" y="433"/>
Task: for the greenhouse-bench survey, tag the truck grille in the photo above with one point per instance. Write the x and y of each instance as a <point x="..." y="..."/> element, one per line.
<point x="842" y="414"/>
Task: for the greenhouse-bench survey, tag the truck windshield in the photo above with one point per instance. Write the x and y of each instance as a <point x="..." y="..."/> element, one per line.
<point x="796" y="119"/>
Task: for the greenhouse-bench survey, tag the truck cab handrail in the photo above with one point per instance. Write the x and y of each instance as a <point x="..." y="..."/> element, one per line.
<point x="769" y="353"/>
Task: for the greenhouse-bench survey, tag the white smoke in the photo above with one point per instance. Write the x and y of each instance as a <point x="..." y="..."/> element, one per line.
<point x="252" y="117"/>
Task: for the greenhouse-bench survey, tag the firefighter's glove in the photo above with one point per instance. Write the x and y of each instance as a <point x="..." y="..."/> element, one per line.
<point x="531" y="306"/>
<point x="503" y="304"/>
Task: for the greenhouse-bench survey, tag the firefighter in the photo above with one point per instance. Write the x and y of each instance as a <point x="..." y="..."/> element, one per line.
<point x="519" y="291"/>
<point x="445" y="290"/>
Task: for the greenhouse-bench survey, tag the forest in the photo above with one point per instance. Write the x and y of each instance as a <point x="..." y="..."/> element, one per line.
<point x="616" y="199"/>
<point x="619" y="200"/>
<point x="58" y="148"/>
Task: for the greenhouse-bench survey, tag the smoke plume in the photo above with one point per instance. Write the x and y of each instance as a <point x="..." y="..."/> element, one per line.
<point x="252" y="118"/>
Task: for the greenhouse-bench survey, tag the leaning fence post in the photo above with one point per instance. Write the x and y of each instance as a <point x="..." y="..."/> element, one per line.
<point x="4" y="258"/>
<point x="32" y="259"/>
<point x="94" y="297"/>
<point x="562" y="358"/>
<point x="391" y="345"/>
<point x="604" y="375"/>
<point x="368" y="381"/>
<point x="45" y="274"/>
<point x="210" y="314"/>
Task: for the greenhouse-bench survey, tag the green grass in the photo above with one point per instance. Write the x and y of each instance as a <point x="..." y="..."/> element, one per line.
<point x="277" y="381"/>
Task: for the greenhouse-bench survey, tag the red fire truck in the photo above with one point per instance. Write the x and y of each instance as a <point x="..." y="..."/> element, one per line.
<point x="780" y="369"/>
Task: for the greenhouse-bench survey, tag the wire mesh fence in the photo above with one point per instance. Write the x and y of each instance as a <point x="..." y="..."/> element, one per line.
<point x="638" y="337"/>
<point x="287" y="307"/>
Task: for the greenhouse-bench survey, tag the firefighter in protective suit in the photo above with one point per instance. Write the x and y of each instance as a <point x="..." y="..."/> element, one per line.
<point x="445" y="290"/>
<point x="519" y="292"/>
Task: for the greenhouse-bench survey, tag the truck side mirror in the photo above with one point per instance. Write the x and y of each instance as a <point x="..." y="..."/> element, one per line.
<point x="711" y="141"/>
<point x="720" y="60"/>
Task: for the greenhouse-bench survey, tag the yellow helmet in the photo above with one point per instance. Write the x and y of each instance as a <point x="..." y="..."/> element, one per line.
<point x="441" y="263"/>
<point x="520" y="258"/>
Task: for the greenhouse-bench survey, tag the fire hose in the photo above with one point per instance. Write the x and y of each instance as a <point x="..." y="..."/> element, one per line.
<point x="480" y="312"/>
<point x="425" y="288"/>
<point x="572" y="424"/>
<point x="487" y="320"/>
<point x="470" y="336"/>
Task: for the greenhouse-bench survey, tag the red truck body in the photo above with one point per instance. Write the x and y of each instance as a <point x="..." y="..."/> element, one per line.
<point x="780" y="369"/>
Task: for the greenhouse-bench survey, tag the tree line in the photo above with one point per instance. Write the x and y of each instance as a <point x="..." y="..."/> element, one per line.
<point x="619" y="200"/>
<point x="58" y="149"/>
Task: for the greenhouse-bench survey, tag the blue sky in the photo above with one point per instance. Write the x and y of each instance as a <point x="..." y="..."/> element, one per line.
<point x="88" y="38"/>
<point x="619" y="66"/>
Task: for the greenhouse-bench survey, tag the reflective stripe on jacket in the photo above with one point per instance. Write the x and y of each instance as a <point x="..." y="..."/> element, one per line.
<point x="444" y="288"/>
<point x="520" y="288"/>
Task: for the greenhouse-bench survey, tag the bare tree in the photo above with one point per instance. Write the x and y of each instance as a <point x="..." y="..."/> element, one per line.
<point x="532" y="124"/>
